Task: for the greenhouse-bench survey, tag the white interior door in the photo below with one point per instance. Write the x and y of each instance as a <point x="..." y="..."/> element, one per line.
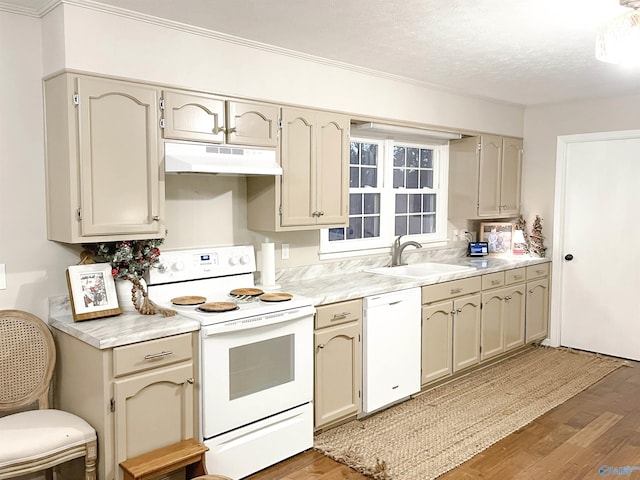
<point x="599" y="262"/>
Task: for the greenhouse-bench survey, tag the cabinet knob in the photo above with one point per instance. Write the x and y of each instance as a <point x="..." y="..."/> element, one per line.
<point x="216" y="130"/>
<point x="190" y="380"/>
<point x="155" y="218"/>
<point x="321" y="345"/>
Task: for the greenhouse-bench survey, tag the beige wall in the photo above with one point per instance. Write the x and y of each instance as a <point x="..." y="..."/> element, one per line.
<point x="543" y="125"/>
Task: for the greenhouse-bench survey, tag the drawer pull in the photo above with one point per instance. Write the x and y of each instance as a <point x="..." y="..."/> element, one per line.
<point x="151" y="356"/>
<point x="495" y="282"/>
<point x="456" y="290"/>
<point x="517" y="277"/>
<point x="539" y="272"/>
<point x="340" y="316"/>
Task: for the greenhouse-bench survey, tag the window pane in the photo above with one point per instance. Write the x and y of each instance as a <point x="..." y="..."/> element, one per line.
<point x="426" y="158"/>
<point x="429" y="203"/>
<point x="355" y="204"/>
<point x="354" y="180"/>
<point x="398" y="156"/>
<point x="398" y="178"/>
<point x="415" y="224"/>
<point x="428" y="224"/>
<point x="369" y="154"/>
<point x="336" y="234"/>
<point x="354" y="158"/>
<point x="426" y="178"/>
<point x="355" y="228"/>
<point x="371" y="203"/>
<point x="412" y="179"/>
<point x="401" y="203"/>
<point x="401" y="225"/>
<point x="415" y="203"/>
<point x="369" y="177"/>
<point x="371" y="227"/>
<point x="412" y="157"/>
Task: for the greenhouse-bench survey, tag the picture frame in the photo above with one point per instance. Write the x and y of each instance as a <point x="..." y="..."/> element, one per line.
<point x="499" y="236"/>
<point x="92" y="291"/>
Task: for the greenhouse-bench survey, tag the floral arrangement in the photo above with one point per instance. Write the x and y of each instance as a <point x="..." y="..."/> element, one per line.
<point x="129" y="259"/>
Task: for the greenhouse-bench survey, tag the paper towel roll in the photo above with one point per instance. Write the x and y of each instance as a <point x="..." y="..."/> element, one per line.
<point x="268" y="267"/>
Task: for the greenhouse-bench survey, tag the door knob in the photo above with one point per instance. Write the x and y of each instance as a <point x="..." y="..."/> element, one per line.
<point x="568" y="257"/>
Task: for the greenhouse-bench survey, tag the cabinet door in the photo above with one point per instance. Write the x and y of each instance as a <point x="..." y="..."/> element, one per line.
<point x="492" y="333"/>
<point x="338" y="373"/>
<point x="437" y="341"/>
<point x="153" y="410"/>
<point x="466" y="332"/>
<point x="510" y="178"/>
<point x="119" y="162"/>
<point x="298" y="147"/>
<point x="252" y="124"/>
<point x="489" y="176"/>
<point x="332" y="170"/>
<point x="189" y="116"/>
<point x="514" y="315"/>
<point x="537" y="310"/>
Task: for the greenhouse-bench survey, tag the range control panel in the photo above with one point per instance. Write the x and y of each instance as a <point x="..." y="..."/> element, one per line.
<point x="183" y="265"/>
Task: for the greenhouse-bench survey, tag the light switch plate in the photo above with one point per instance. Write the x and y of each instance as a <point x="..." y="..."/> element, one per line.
<point x="3" y="277"/>
<point x="285" y="251"/>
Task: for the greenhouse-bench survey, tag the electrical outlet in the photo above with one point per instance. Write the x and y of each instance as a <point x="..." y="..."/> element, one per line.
<point x="285" y="251"/>
<point x="3" y="277"/>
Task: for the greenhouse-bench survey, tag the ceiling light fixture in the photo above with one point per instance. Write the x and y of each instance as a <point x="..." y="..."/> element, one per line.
<point x="618" y="40"/>
<point x="391" y="130"/>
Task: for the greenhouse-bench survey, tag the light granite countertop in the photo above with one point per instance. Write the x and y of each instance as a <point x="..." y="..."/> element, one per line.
<point x="332" y="285"/>
<point x="109" y="332"/>
<point x="339" y="287"/>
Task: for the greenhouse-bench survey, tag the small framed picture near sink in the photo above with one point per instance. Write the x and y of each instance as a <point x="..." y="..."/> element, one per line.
<point x="499" y="236"/>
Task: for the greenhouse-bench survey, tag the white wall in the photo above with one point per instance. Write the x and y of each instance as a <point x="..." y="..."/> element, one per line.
<point x="35" y="267"/>
<point x="543" y="125"/>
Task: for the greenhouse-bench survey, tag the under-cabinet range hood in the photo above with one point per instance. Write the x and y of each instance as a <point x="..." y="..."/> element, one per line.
<point x="219" y="159"/>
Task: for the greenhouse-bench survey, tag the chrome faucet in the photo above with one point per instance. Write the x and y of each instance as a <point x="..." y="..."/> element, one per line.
<point x="398" y="248"/>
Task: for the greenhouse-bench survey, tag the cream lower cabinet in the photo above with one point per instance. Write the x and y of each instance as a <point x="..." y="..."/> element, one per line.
<point x="450" y="327"/>
<point x="103" y="174"/>
<point x="138" y="397"/>
<point x="313" y="191"/>
<point x="212" y="119"/>
<point x="537" y="303"/>
<point x="338" y="364"/>
<point x="503" y="313"/>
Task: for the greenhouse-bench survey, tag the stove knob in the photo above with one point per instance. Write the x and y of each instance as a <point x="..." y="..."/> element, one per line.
<point x="178" y="266"/>
<point x="233" y="261"/>
<point x="244" y="259"/>
<point x="162" y="268"/>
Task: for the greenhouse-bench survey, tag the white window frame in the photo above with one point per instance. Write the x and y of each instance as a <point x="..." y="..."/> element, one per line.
<point x="382" y="244"/>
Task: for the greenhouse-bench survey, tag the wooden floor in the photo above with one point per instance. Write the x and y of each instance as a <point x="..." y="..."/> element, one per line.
<point x="599" y="427"/>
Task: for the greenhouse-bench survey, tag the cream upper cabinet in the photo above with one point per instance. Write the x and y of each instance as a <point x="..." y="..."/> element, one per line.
<point x="103" y="174"/>
<point x="213" y="119"/>
<point x="485" y="177"/>
<point x="123" y="392"/>
<point x="313" y="191"/>
<point x="338" y="360"/>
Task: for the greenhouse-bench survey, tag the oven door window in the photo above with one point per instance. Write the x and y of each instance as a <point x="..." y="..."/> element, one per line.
<point x="260" y="366"/>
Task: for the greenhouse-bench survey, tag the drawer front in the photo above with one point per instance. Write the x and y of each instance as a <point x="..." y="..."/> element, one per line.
<point x="154" y="353"/>
<point x="337" y="313"/>
<point x="492" y="280"/>
<point x="516" y="275"/>
<point x="537" y="271"/>
<point x="455" y="288"/>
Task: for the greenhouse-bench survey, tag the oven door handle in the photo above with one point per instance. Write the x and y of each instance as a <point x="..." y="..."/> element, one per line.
<point x="256" y="322"/>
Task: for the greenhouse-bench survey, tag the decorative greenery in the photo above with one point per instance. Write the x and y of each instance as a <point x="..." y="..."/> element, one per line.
<point x="129" y="259"/>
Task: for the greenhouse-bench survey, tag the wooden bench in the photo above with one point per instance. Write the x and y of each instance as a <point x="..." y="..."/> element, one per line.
<point x="149" y="466"/>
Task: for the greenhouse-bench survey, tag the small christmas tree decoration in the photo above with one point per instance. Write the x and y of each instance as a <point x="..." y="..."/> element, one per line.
<point x="536" y="244"/>
<point x="521" y="246"/>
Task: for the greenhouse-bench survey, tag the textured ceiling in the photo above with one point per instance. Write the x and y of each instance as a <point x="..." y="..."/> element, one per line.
<point x="525" y="52"/>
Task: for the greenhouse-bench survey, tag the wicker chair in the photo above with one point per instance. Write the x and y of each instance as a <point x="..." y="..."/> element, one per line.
<point x="35" y="440"/>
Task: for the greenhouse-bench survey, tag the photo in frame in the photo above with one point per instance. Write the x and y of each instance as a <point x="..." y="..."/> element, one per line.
<point x="92" y="291"/>
<point x="499" y="236"/>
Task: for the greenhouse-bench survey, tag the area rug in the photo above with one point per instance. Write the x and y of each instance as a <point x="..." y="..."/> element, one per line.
<point x="440" y="429"/>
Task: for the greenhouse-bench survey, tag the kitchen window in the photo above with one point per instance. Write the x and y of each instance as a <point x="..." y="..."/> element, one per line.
<point x="396" y="188"/>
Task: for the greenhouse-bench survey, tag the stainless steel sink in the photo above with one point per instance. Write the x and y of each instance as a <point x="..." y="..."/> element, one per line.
<point x="421" y="270"/>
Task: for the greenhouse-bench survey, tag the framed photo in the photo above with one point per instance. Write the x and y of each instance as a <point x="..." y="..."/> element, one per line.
<point x="499" y="236"/>
<point x="92" y="291"/>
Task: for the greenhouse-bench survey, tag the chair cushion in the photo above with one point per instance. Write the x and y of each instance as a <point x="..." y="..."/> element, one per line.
<point x="37" y="433"/>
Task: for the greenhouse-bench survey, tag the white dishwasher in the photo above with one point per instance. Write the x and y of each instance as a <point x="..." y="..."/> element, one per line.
<point x="390" y="348"/>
